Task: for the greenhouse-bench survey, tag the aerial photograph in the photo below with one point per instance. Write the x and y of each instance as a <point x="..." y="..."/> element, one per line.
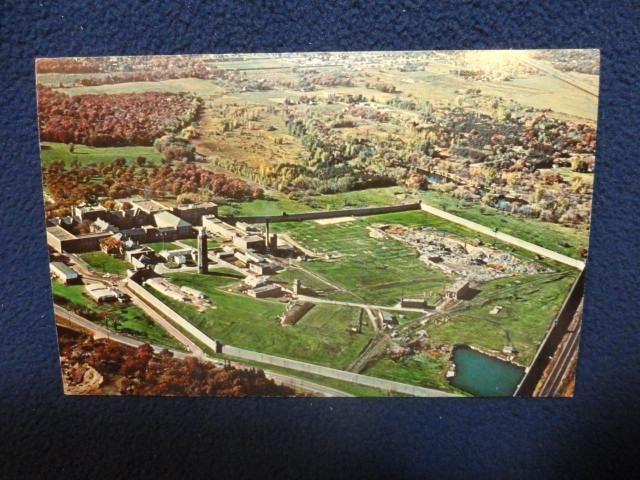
<point x="326" y="224"/>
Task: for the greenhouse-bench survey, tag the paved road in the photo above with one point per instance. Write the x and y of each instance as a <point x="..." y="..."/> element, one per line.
<point x="359" y="305"/>
<point x="101" y="332"/>
<point x="545" y="252"/>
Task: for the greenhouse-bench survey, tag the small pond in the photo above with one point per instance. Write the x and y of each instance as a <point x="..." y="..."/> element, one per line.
<point x="484" y="376"/>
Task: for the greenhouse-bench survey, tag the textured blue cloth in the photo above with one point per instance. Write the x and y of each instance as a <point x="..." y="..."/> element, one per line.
<point x="46" y="435"/>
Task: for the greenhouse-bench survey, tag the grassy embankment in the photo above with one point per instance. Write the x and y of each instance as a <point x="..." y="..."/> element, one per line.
<point x="127" y="319"/>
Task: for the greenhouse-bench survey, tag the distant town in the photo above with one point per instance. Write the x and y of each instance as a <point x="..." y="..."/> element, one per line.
<point x="322" y="224"/>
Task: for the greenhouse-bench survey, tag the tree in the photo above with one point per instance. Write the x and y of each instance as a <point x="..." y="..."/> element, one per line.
<point x="141" y="161"/>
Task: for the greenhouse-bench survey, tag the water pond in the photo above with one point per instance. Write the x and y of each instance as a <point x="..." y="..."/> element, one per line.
<point x="484" y="376"/>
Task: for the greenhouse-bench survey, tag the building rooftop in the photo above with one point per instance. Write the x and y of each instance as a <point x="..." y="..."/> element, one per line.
<point x="90" y="208"/>
<point x="64" y="269"/>
<point x="145" y="205"/>
<point x="458" y="284"/>
<point x="266" y="288"/>
<point x="169" y="220"/>
<point x="60" y="233"/>
<point x="195" y="206"/>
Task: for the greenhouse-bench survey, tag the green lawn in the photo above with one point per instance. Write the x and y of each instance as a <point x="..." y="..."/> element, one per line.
<point x="376" y="271"/>
<point x="159" y="246"/>
<point x="371" y="197"/>
<point x="206" y="283"/>
<point x="274" y="205"/>
<point x="420" y="370"/>
<point x="127" y="319"/>
<point x="193" y="243"/>
<point x="556" y="237"/>
<point x="286" y="278"/>
<point x="278" y="202"/>
<point x="529" y="304"/>
<point x="86" y="155"/>
<point x="320" y="337"/>
<point x="102" y="262"/>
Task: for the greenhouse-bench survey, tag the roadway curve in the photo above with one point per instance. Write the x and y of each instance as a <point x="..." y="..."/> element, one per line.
<point x="545" y="252"/>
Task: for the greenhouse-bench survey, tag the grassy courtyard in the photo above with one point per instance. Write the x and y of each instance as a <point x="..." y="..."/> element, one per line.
<point x="159" y="246"/>
<point x="321" y="336"/>
<point x="104" y="263"/>
<point x="374" y="271"/>
<point x="127" y="319"/>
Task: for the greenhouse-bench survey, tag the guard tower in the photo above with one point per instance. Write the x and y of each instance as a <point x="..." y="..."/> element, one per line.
<point x="203" y="253"/>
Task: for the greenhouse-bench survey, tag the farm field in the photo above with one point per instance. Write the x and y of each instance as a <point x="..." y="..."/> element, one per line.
<point x="53" y="151"/>
<point x="127" y="319"/>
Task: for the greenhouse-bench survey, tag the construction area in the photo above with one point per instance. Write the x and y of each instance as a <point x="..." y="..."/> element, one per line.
<point x="457" y="255"/>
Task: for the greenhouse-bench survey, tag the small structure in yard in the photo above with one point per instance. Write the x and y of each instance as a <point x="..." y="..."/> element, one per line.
<point x="295" y="311"/>
<point x="265" y="291"/>
<point x="262" y="268"/>
<point x="192" y="292"/>
<point x="248" y="242"/>
<point x="255" y="281"/>
<point x="460" y="290"/>
<point x="413" y="303"/>
<point x="388" y="319"/>
<point x="179" y="257"/>
<point x="102" y="294"/>
<point x="495" y="310"/>
<point x="161" y="285"/>
<point x="64" y="273"/>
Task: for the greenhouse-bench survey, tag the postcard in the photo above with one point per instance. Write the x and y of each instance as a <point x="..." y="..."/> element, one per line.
<point x="335" y="224"/>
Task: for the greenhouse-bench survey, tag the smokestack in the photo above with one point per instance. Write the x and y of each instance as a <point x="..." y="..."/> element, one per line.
<point x="267" y="239"/>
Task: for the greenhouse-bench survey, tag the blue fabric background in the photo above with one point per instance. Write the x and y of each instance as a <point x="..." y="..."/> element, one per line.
<point x="46" y="435"/>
